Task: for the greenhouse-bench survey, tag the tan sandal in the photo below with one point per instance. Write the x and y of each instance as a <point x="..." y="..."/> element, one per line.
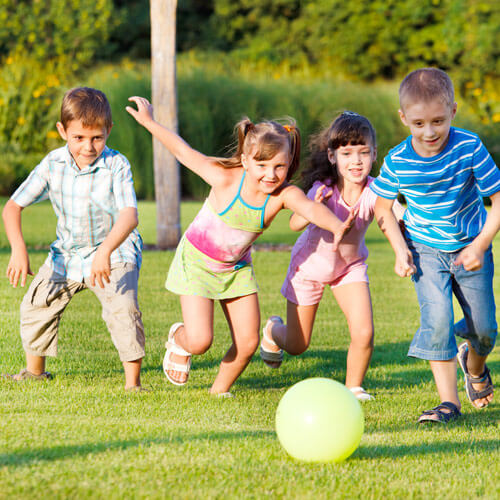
<point x="24" y="374"/>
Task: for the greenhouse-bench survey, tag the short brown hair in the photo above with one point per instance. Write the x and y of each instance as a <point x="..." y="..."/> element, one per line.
<point x="89" y="105"/>
<point x="426" y="84"/>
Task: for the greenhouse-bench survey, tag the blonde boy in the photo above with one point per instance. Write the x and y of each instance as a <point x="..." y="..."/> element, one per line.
<point x="91" y="190"/>
<point x="444" y="172"/>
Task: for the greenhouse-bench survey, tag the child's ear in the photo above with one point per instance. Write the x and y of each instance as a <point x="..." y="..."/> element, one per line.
<point x="62" y="131"/>
<point x="402" y="117"/>
<point x="331" y="156"/>
<point x="374" y="153"/>
<point x="454" y="110"/>
<point x="244" y="161"/>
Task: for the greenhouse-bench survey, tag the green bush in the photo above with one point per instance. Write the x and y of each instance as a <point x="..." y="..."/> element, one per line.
<point x="71" y="30"/>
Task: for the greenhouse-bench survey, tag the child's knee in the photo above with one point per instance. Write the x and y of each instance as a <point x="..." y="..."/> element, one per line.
<point x="363" y="338"/>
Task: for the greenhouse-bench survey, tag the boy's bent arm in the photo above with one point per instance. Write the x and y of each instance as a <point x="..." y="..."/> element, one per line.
<point x="101" y="268"/>
<point x="472" y="256"/>
<point x="18" y="266"/>
<point x="389" y="226"/>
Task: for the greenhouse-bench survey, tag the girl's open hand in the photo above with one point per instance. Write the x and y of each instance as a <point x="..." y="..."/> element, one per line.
<point x="344" y="228"/>
<point x="321" y="195"/>
<point x="144" y="112"/>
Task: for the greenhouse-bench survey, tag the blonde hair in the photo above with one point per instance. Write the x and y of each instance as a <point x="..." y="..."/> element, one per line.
<point x="264" y="140"/>
<point x="89" y="105"/>
<point x="426" y="84"/>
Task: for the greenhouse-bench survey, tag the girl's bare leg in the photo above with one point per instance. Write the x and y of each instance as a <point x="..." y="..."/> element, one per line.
<point x="294" y="336"/>
<point x="355" y="302"/>
<point x="243" y="317"/>
<point x="197" y="333"/>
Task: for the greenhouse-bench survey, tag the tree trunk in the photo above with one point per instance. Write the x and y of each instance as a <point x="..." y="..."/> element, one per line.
<point x="164" y="99"/>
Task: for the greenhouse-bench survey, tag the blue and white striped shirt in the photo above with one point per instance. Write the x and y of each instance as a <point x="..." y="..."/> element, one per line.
<point x="87" y="203"/>
<point x="444" y="192"/>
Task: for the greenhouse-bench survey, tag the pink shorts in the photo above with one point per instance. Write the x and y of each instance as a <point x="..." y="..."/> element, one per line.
<point x="304" y="292"/>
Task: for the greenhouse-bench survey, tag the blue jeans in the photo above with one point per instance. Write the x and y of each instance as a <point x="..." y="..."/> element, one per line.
<point x="436" y="281"/>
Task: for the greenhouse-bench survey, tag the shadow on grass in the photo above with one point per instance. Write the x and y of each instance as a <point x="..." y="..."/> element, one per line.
<point x="37" y="455"/>
<point x="435" y="448"/>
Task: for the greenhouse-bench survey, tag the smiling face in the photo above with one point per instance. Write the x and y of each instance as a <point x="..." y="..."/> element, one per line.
<point x="84" y="143"/>
<point x="353" y="162"/>
<point x="270" y="174"/>
<point x="429" y="124"/>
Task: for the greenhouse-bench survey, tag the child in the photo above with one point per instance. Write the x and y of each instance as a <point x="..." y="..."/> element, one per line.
<point x="444" y="172"/>
<point x="213" y="260"/>
<point x="341" y="159"/>
<point x="91" y="190"/>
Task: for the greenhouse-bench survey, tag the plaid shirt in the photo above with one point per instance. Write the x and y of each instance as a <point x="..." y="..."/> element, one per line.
<point x="87" y="203"/>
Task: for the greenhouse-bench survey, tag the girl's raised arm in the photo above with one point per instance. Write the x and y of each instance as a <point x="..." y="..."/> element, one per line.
<point x="199" y="163"/>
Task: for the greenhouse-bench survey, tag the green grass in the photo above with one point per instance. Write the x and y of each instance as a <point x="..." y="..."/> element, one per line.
<point x="81" y="436"/>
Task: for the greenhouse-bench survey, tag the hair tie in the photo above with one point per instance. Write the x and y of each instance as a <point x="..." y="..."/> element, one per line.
<point x="350" y="113"/>
<point x="288" y="128"/>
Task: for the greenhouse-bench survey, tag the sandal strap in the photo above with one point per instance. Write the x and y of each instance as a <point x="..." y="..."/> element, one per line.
<point x="176" y="367"/>
<point x="272" y="319"/>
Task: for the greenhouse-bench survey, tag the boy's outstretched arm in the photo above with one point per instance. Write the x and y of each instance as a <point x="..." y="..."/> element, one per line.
<point x="199" y="163"/>
<point x="318" y="214"/>
<point x="472" y="256"/>
<point x="19" y="264"/>
<point x="101" y="267"/>
<point x="390" y="227"/>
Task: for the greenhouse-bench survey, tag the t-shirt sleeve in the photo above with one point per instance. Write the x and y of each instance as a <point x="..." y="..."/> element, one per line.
<point x="123" y="184"/>
<point x="386" y="185"/>
<point x="35" y="187"/>
<point x="485" y="171"/>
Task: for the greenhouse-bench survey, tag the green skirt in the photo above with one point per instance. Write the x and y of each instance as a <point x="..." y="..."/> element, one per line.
<point x="191" y="274"/>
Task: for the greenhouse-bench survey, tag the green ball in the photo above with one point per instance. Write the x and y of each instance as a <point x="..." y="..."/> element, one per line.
<point x="319" y="420"/>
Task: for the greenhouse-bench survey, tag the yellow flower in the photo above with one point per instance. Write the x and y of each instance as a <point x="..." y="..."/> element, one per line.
<point x="53" y="81"/>
<point x="477" y="92"/>
<point x="47" y="102"/>
<point x="469" y="85"/>
<point x="52" y="134"/>
<point x="37" y="93"/>
<point x="496" y="118"/>
<point x="115" y="75"/>
<point x="9" y="60"/>
<point x="21" y="121"/>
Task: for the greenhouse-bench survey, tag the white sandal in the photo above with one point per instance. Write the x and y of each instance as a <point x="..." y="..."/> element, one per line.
<point x="173" y="348"/>
<point x="361" y="394"/>
<point x="271" y="358"/>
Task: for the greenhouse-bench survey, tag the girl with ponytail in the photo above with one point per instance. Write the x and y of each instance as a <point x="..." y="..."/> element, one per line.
<point x="213" y="259"/>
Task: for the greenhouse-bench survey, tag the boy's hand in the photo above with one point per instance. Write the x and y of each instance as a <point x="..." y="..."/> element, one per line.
<point x="101" y="268"/>
<point x="144" y="112"/>
<point x="471" y="258"/>
<point x="344" y="228"/>
<point x="404" y="264"/>
<point x="18" y="267"/>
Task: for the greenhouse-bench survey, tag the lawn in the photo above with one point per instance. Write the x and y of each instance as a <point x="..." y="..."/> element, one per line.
<point x="81" y="436"/>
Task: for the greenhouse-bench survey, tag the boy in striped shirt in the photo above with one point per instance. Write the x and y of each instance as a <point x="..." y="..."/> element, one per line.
<point x="91" y="190"/>
<point x="444" y="172"/>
